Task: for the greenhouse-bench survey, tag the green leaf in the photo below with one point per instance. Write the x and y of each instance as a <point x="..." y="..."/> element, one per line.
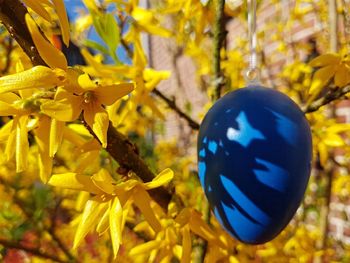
<point x="108" y="29"/>
<point x="92" y="44"/>
<point x="112" y="32"/>
<point x="18" y="232"/>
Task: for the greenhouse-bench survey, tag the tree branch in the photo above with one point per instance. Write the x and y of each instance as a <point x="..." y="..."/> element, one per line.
<point x="171" y="104"/>
<point x="12" y="13"/>
<point x="219" y="37"/>
<point x="332" y="95"/>
<point x="34" y="251"/>
<point x="123" y="151"/>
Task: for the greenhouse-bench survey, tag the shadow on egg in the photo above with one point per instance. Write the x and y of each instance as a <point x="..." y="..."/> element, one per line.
<point x="254" y="154"/>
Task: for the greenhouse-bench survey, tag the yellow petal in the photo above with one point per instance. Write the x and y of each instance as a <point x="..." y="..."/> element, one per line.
<point x="63" y="19"/>
<point x="36" y="77"/>
<point x="142" y="200"/>
<point x="9" y="97"/>
<point x="325" y="60"/>
<point x="50" y="54"/>
<point x="83" y="197"/>
<point x="145" y="248"/>
<point x="92" y="211"/>
<point x="56" y="135"/>
<point x="115" y="225"/>
<point x="147" y="100"/>
<point x="153" y="77"/>
<point x="184" y="216"/>
<point x="67" y="109"/>
<point x="199" y="227"/>
<point x="233" y="259"/>
<point x="86" y="160"/>
<point x="89" y="146"/>
<point x="321" y="78"/>
<point x="74" y="181"/>
<point x="42" y="138"/>
<point x="143" y="227"/>
<point x="22" y="145"/>
<point x="104" y="181"/>
<point x="156" y="29"/>
<point x="105" y="70"/>
<point x="5" y="131"/>
<point x="11" y="141"/>
<point x="91" y="4"/>
<point x="38" y="8"/>
<point x="86" y="83"/>
<point x="83" y="131"/>
<point x="71" y="136"/>
<point x="339" y="127"/>
<point x="107" y="95"/>
<point x="139" y="58"/>
<point x="126" y="209"/>
<point x="186" y="245"/>
<point x="7" y="109"/>
<point x="342" y="76"/>
<point x="103" y="224"/>
<point x="323" y="152"/>
<point x="161" y="179"/>
<point x="334" y="140"/>
<point x="97" y="118"/>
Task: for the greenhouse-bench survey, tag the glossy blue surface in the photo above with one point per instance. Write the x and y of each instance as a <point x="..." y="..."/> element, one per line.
<point x="254" y="161"/>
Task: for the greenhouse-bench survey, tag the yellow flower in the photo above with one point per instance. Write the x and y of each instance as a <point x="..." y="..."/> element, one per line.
<point x="145" y="20"/>
<point x="88" y="97"/>
<point x="331" y="65"/>
<point x="25" y="108"/>
<point x="111" y="202"/>
<point x="327" y="133"/>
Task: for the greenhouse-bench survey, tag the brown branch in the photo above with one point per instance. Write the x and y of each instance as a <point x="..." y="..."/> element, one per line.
<point x="12" y="13"/>
<point x="124" y="152"/>
<point x="219" y="37"/>
<point x="171" y="104"/>
<point x="61" y="245"/>
<point x="331" y="95"/>
<point x="34" y="251"/>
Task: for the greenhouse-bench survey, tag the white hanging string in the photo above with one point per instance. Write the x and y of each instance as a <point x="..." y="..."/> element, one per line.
<point x="253" y="73"/>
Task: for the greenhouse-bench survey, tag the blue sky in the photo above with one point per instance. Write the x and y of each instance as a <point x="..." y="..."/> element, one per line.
<point x="73" y="7"/>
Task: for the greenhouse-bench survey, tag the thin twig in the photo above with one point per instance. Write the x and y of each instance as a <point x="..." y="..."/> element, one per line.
<point x="34" y="251"/>
<point x="331" y="95"/>
<point x="219" y="37"/>
<point x="55" y="238"/>
<point x="169" y="102"/>
<point x="123" y="151"/>
<point x="12" y="13"/>
<point x="29" y="214"/>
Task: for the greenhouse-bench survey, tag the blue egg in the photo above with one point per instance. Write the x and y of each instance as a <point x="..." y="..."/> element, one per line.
<point x="254" y="161"/>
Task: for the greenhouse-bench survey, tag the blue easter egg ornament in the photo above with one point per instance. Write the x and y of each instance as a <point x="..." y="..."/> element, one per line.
<point x="254" y="161"/>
